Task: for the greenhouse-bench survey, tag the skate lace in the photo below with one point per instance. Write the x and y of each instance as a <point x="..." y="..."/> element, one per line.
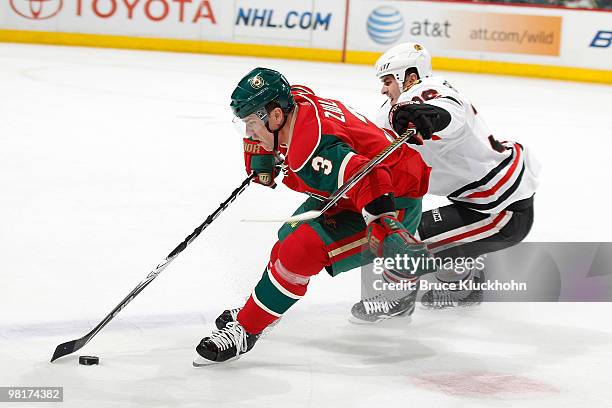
<point x="378" y="304"/>
<point x="232" y="335"/>
<point x="234" y="312"/>
<point x="443" y="298"/>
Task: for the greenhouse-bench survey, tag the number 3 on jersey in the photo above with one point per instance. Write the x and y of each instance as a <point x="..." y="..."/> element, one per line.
<point x="320" y="164"/>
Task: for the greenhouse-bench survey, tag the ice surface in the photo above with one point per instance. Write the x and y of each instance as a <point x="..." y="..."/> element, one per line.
<point x="108" y="159"/>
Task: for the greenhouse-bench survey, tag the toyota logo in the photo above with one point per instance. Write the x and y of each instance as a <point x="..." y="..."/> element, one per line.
<point x="37" y="9"/>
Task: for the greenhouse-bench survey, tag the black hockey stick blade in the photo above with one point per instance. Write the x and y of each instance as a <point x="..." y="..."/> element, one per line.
<point x="69" y="347"/>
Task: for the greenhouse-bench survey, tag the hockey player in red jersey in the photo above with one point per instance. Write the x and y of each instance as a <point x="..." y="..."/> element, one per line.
<point x="490" y="184"/>
<point x="323" y="142"/>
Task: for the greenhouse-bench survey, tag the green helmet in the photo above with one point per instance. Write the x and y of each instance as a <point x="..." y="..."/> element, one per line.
<point x="258" y="88"/>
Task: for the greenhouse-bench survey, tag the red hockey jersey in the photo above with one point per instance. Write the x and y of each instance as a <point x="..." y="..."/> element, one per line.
<point x="330" y="142"/>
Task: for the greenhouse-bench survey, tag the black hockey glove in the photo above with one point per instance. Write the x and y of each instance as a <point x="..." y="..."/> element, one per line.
<point x="426" y="118"/>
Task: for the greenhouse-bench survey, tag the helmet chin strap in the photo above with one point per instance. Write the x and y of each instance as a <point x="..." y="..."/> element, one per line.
<point x="275" y="132"/>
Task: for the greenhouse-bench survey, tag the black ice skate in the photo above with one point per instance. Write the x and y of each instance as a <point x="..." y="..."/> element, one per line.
<point x="444" y="299"/>
<point x="224" y="345"/>
<point x="380" y="307"/>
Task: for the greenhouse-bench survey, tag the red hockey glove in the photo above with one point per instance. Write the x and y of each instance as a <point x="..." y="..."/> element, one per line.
<point x="261" y="161"/>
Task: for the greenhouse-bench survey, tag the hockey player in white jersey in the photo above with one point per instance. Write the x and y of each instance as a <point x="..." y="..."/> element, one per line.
<point x="490" y="183"/>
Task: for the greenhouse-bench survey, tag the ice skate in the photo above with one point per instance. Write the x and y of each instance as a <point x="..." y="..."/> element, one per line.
<point x="224" y="345"/>
<point x="379" y="307"/>
<point x="444" y="299"/>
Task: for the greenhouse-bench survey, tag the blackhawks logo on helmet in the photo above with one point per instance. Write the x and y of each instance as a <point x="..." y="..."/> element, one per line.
<point x="256" y="82"/>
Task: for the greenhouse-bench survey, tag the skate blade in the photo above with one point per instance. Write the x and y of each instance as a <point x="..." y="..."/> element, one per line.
<point x="474" y="306"/>
<point x="199" y="361"/>
<point x="359" y="322"/>
<point x="438" y="308"/>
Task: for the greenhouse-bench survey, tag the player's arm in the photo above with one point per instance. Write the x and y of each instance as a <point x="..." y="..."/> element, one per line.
<point x="333" y="162"/>
<point x="387" y="236"/>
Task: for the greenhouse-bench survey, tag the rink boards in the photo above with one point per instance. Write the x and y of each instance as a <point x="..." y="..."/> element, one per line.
<point x="531" y="41"/>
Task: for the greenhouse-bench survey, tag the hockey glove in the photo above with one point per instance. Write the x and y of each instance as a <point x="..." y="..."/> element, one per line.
<point x="388" y="238"/>
<point x="426" y="118"/>
<point x="261" y="161"/>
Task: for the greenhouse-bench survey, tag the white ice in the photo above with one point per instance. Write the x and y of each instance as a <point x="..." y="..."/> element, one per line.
<point x="108" y="159"/>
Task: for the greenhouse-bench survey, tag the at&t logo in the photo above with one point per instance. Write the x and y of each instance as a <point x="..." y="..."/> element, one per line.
<point x="36" y="9"/>
<point x="385" y="25"/>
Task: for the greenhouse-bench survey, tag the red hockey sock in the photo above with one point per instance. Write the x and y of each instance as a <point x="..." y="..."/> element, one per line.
<point x="285" y="281"/>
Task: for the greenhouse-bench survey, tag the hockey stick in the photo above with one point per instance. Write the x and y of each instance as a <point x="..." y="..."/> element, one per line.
<point x="354" y="179"/>
<point x="74" y="345"/>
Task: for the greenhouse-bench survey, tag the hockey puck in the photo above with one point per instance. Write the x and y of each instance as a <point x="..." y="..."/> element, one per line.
<point x="89" y="360"/>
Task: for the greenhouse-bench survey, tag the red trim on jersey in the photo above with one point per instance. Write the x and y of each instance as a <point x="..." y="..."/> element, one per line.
<point x="503" y="180"/>
<point x="468" y="234"/>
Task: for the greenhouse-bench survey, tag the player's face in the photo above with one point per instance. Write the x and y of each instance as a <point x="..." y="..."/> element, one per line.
<point x="390" y="88"/>
<point x="410" y="80"/>
<point x="256" y="130"/>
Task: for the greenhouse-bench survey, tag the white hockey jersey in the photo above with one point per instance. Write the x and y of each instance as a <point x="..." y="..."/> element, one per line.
<point x="469" y="166"/>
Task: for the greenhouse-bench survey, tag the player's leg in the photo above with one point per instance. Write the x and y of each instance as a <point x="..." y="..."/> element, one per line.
<point x="377" y="306"/>
<point x="282" y="284"/>
<point x="456" y="232"/>
<point x="302" y="251"/>
<point x="344" y="239"/>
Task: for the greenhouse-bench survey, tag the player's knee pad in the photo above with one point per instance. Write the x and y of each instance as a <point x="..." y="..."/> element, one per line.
<point x="294" y="260"/>
<point x="303" y="252"/>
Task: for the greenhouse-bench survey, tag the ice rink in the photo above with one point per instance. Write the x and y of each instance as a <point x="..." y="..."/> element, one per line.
<point x="109" y="158"/>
